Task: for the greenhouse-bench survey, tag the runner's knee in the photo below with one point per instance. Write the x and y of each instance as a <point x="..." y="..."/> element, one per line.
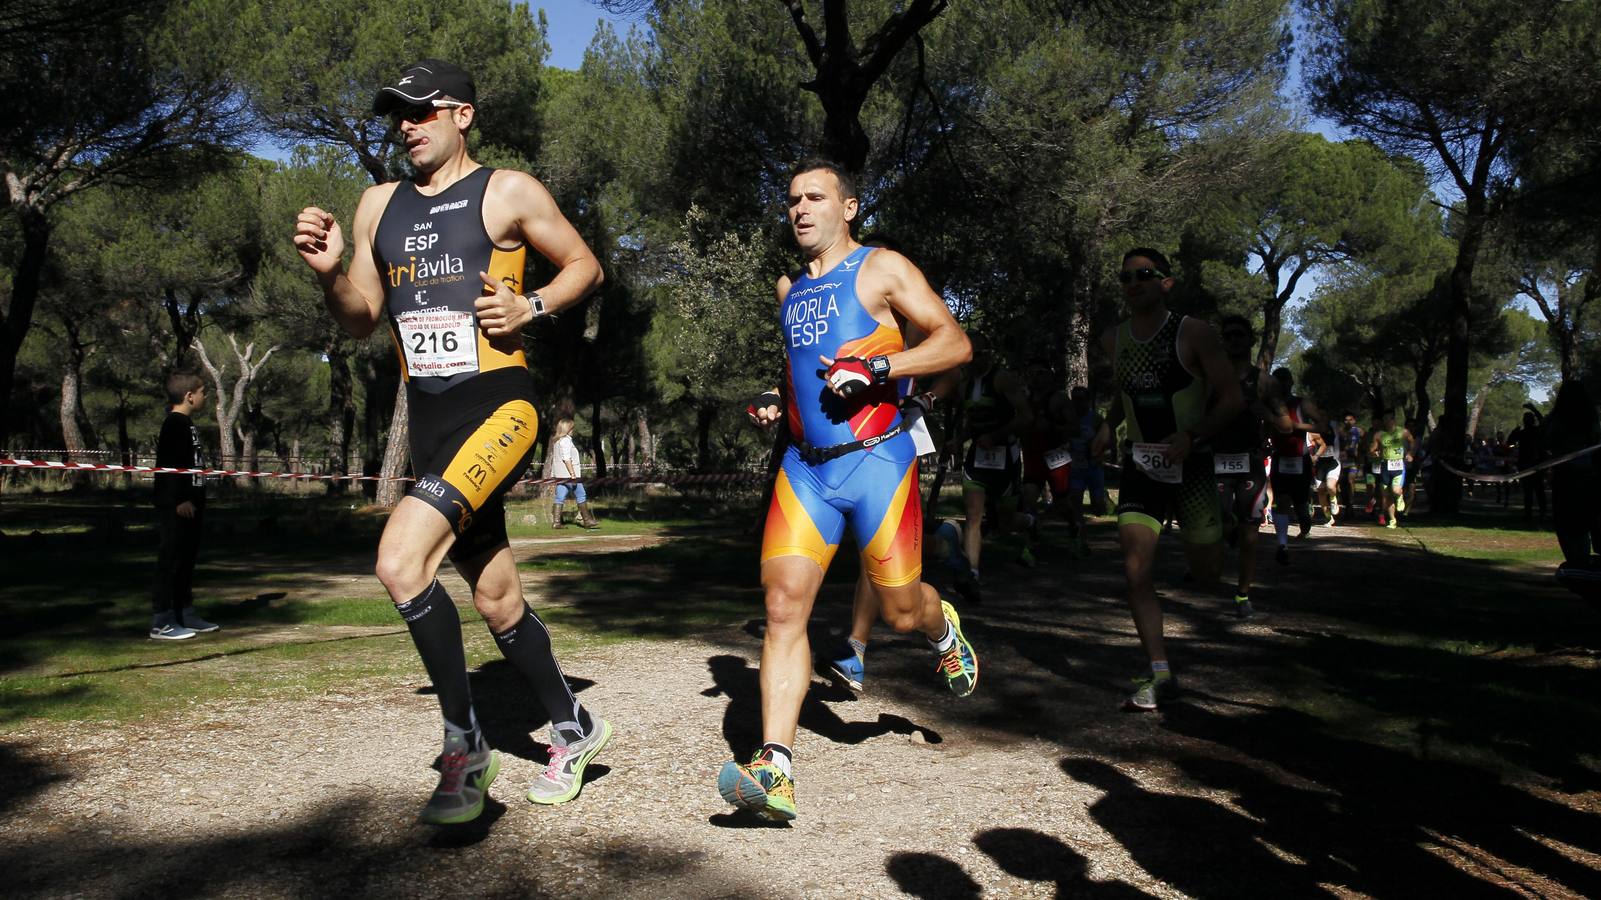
<point x="787" y="608"/>
<point x="402" y="574"/>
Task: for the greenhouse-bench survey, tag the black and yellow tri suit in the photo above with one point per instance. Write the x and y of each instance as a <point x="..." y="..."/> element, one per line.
<point x="471" y="399"/>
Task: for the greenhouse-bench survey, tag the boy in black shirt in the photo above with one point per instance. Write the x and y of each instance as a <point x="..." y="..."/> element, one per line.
<point x="180" y="505"/>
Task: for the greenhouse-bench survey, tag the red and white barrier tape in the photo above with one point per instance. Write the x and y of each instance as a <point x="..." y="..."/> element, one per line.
<point x="1521" y="473"/>
<point x="662" y="478"/>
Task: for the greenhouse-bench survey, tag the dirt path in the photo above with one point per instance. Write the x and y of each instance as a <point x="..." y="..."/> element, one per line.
<point x="1036" y="786"/>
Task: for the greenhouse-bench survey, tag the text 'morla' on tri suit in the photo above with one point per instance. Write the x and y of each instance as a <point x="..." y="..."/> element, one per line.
<point x="822" y="486"/>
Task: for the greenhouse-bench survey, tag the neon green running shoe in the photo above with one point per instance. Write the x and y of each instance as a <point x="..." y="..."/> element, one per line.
<point x="760" y="787"/>
<point x="1391" y="523"/>
<point x="959" y="664"/>
<point x="563" y="777"/>
<point x="464" y="779"/>
<point x="1400" y="503"/>
<point x="1242" y="607"/>
<point x="1150" y="691"/>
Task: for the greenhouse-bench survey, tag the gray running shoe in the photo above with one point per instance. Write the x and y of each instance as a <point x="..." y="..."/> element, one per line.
<point x="196" y="624"/>
<point x="563" y="778"/>
<point x="170" y="631"/>
<point x="1150" y="691"/>
<point x="464" y="779"/>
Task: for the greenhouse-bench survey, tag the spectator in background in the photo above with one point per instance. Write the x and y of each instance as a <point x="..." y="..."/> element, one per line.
<point x="1528" y="442"/>
<point x="567" y="465"/>
<point x="180" y="510"/>
<point x="1572" y="426"/>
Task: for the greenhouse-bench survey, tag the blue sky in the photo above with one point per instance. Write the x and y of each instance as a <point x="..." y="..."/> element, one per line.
<point x="572" y="24"/>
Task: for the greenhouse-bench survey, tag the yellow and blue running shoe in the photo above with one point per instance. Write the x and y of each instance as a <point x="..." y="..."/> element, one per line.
<point x="959" y="664"/>
<point x="760" y="787"/>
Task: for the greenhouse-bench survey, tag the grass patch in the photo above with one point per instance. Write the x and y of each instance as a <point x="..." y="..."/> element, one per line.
<point x="78" y="609"/>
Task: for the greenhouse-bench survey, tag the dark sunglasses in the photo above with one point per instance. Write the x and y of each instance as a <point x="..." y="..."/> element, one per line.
<point x="420" y="112"/>
<point x="1127" y="276"/>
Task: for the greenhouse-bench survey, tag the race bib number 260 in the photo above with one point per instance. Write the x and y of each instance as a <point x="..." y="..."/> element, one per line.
<point x="1152" y="460"/>
<point x="438" y="342"/>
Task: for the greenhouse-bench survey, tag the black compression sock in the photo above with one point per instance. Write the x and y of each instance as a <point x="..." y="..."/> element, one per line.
<point x="526" y="645"/>
<point x="436" y="630"/>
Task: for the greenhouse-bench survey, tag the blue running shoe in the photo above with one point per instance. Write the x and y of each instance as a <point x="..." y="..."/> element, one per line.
<point x="851" y="669"/>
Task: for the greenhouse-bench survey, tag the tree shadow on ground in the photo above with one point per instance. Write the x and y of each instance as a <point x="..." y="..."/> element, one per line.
<point x="22" y="776"/>
<point x="349" y="848"/>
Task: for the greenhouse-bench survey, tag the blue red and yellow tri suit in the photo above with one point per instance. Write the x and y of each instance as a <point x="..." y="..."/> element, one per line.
<point x="873" y="489"/>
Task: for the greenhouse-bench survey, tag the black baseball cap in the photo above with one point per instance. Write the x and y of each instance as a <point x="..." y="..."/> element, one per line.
<point x="425" y="80"/>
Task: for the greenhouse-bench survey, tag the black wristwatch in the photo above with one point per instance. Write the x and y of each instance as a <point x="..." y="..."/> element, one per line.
<point x="879" y="366"/>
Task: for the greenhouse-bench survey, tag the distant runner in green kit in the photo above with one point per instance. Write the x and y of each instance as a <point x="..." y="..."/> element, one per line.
<point x="1392" y="448"/>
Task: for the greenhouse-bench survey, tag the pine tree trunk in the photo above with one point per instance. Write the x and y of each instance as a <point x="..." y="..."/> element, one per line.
<point x="397" y="455"/>
<point x="341" y="415"/>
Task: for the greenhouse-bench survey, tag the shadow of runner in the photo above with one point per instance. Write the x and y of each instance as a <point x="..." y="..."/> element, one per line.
<point x="734" y="678"/>
<point x="1033" y="856"/>
<point x="1372" y="857"/>
<point x="932" y="876"/>
<point x="508" y="710"/>
<point x="1396" y="803"/>
<point x="1199" y="847"/>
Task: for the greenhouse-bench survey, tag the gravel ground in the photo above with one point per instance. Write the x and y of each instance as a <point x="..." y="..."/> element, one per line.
<point x="1035" y="787"/>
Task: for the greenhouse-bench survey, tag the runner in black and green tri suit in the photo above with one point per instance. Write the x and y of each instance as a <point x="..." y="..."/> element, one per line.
<point x="1164" y="366"/>
<point x="1392" y="447"/>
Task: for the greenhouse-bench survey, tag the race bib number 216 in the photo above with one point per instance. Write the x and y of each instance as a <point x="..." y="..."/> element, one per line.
<point x="438" y="342"/>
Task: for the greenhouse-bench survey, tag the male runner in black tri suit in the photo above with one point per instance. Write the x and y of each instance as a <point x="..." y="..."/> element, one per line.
<point x="443" y="254"/>
<point x="1167" y="367"/>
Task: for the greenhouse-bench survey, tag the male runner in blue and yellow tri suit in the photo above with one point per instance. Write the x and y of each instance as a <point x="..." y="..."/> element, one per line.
<point x="443" y="255"/>
<point x="849" y="463"/>
<point x="1165" y="367"/>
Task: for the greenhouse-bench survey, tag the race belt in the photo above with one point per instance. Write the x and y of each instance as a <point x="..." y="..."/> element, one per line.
<point x="819" y="455"/>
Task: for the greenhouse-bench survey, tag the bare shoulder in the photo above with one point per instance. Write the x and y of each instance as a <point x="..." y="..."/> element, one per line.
<point x="371" y="206"/>
<point x="518" y="188"/>
<point x="1199" y="331"/>
<point x="781" y="289"/>
<point x="890" y="272"/>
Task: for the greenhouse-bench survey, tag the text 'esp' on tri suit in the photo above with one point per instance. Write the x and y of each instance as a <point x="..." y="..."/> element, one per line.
<point x="1160" y="397"/>
<point x="873" y="489"/>
<point x="472" y="421"/>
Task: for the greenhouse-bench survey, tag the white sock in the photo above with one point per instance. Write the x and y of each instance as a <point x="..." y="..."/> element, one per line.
<point x="946" y="642"/>
<point x="783" y="758"/>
